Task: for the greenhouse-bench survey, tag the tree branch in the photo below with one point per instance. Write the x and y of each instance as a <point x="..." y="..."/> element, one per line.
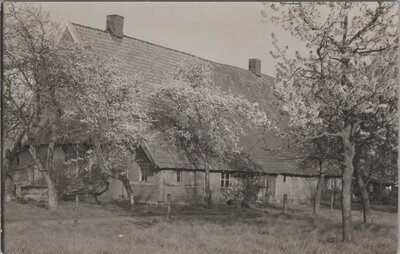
<point x="325" y="134"/>
<point x="363" y="30"/>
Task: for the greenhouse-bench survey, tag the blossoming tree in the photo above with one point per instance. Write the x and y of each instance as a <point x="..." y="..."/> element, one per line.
<point x="200" y="119"/>
<point x="65" y="91"/>
<point x="334" y="89"/>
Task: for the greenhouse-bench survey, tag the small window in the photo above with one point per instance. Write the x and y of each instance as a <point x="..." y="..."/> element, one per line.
<point x="179" y="176"/>
<point x="284" y="178"/>
<point x="224" y="179"/>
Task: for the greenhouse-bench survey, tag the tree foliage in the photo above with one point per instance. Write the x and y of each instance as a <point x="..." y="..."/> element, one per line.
<point x="318" y="93"/>
<point x="199" y="118"/>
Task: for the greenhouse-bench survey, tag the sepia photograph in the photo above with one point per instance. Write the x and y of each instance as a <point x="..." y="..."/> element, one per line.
<point x="199" y="127"/>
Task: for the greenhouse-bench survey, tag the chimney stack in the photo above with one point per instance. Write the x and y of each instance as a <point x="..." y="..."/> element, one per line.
<point x="255" y="66"/>
<point x="115" y="25"/>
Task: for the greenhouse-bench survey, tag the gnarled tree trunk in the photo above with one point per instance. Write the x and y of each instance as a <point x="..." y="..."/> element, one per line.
<point x="125" y="181"/>
<point x="318" y="191"/>
<point x="120" y="176"/>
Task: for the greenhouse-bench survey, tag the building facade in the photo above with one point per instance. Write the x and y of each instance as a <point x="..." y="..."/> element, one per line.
<point x="157" y="170"/>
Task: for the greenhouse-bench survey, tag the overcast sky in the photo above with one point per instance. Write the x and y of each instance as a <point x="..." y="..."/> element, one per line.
<point x="228" y="33"/>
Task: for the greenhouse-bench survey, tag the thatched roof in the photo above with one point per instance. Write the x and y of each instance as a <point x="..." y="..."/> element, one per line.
<point x="153" y="62"/>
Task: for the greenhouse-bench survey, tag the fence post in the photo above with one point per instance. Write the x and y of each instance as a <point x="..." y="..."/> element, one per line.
<point x="168" y="206"/>
<point x="77" y="195"/>
<point x="331" y="200"/>
<point x="284" y="203"/>
<point x="76" y="209"/>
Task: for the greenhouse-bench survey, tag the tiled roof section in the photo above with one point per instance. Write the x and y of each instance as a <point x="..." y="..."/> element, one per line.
<point x="153" y="62"/>
<point x="165" y="156"/>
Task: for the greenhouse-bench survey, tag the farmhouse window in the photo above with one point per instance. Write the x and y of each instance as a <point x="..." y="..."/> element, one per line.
<point x="224" y="179"/>
<point x="284" y="178"/>
<point x="179" y="176"/>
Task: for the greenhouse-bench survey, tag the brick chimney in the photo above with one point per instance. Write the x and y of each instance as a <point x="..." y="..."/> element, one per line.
<point x="255" y="66"/>
<point x="115" y="25"/>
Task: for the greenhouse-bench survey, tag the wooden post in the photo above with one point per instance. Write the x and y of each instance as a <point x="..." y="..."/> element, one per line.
<point x="284" y="203"/>
<point x="76" y="209"/>
<point x="168" y="206"/>
<point x="266" y="191"/>
<point x="331" y="192"/>
<point x="77" y="195"/>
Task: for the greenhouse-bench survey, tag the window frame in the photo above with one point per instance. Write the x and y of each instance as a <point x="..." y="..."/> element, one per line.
<point x="225" y="180"/>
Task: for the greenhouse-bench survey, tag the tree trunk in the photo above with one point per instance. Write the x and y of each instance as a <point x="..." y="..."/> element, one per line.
<point x="9" y="188"/>
<point x="348" y="153"/>
<point x="318" y="191"/>
<point x="125" y="181"/>
<point x="47" y="171"/>
<point x="8" y="180"/>
<point x="9" y="156"/>
<point x="120" y="176"/>
<point x="364" y="198"/>
<point x="49" y="175"/>
<point x="207" y="189"/>
<point x="51" y="191"/>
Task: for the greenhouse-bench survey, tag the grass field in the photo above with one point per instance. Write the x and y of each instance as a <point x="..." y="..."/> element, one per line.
<point x="114" y="229"/>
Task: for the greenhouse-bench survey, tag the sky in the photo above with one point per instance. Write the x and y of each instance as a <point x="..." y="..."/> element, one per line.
<point x="229" y="33"/>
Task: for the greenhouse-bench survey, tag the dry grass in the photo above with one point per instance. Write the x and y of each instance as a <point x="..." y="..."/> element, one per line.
<point x="193" y="230"/>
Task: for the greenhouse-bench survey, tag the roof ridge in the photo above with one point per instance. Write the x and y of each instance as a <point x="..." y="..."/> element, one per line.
<point x="164" y="47"/>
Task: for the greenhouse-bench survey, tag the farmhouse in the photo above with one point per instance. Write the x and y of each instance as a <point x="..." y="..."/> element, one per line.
<point x="157" y="168"/>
